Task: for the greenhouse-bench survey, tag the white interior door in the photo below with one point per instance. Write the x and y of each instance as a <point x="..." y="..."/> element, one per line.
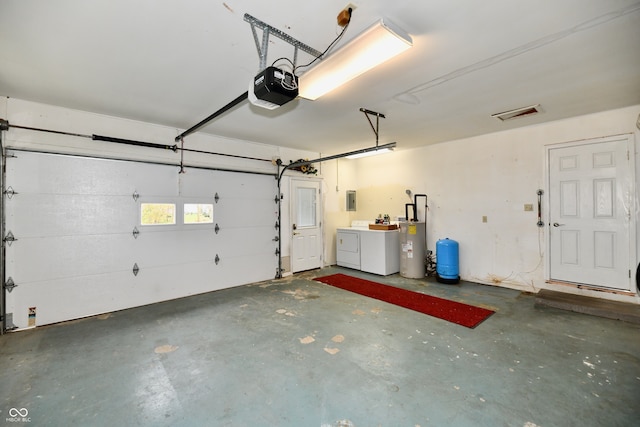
<point x="306" y="225"/>
<point x="590" y="213"/>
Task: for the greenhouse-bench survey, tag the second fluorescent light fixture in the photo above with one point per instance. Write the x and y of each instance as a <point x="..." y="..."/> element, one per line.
<point x="387" y="148"/>
<point x="375" y="45"/>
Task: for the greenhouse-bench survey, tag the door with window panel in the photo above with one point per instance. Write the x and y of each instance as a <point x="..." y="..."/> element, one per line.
<point x="306" y="228"/>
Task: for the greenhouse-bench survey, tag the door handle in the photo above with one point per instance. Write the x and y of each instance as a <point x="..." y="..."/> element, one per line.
<point x="555" y="224"/>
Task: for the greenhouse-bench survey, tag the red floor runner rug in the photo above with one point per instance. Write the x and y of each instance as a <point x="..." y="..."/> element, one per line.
<point x="452" y="311"/>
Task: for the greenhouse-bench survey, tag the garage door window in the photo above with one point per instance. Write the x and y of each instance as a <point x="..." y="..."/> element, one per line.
<point x="158" y="214"/>
<point x="198" y="213"/>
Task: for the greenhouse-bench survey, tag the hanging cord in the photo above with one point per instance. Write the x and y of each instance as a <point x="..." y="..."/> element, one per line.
<point x="293" y="85"/>
<point x="331" y="45"/>
<point x="294" y="68"/>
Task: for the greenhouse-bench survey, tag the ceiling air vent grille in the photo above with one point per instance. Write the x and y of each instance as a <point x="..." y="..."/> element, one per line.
<point x="517" y="113"/>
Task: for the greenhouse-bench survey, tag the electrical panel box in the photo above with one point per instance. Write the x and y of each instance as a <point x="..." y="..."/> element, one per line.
<point x="351" y="200"/>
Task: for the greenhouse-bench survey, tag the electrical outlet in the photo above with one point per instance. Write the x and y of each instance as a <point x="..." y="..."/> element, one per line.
<point x="484" y="218"/>
<point x="350" y="5"/>
<point x="344" y="16"/>
<point x="528" y="207"/>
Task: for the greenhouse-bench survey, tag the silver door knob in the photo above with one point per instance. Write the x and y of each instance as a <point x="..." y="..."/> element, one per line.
<point x="555" y="224"/>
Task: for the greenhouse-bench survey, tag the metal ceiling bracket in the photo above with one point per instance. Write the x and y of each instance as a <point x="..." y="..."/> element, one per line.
<point x="136" y="196"/>
<point x="136" y="232"/>
<point x="136" y="269"/>
<point x="9" y="238"/>
<point x="377" y="126"/>
<point x="10" y="192"/>
<point x="263" y="46"/>
<point x="217" y="259"/>
<point x="216" y="228"/>
<point x="10" y="284"/>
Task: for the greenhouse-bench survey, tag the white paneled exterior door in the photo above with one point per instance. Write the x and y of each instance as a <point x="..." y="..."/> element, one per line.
<point x="306" y="225"/>
<point x="82" y="246"/>
<point x="591" y="230"/>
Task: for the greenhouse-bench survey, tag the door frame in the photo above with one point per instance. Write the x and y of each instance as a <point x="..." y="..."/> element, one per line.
<point x="292" y="180"/>
<point x="633" y="237"/>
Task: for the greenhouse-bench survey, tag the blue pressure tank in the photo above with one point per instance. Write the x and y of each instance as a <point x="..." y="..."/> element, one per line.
<point x="447" y="255"/>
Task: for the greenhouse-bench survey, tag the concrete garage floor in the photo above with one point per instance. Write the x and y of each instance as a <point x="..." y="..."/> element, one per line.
<point x="295" y="352"/>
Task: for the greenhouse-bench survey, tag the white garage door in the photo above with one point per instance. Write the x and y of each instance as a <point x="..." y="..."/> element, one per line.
<point x="86" y="236"/>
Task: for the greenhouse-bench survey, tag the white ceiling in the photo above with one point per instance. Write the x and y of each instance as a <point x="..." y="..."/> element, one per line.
<point x="174" y="62"/>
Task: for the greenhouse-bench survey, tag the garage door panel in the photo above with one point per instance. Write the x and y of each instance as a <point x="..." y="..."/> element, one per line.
<point x="247" y="240"/>
<point x="40" y="259"/>
<point x="175" y="247"/>
<point x="82" y="296"/>
<point x="245" y="185"/>
<point x="198" y="182"/>
<point x="257" y="268"/>
<point x="92" y="295"/>
<point x="30" y="215"/>
<point x="239" y="212"/>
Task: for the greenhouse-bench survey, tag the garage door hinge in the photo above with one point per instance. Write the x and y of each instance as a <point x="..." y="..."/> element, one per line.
<point x="136" y="232"/>
<point x="216" y="198"/>
<point x="136" y="269"/>
<point x="10" y="284"/>
<point x="217" y="259"/>
<point x="216" y="228"/>
<point x="10" y="192"/>
<point x="9" y="238"/>
<point x="135" y="196"/>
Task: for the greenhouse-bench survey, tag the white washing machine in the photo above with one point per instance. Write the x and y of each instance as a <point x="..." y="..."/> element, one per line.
<point x="373" y="251"/>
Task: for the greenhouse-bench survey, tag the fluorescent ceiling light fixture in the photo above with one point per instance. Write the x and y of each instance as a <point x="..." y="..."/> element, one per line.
<point x="375" y="45"/>
<point x="382" y="149"/>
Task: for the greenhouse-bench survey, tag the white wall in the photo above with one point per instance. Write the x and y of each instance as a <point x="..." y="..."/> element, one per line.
<point x="491" y="175"/>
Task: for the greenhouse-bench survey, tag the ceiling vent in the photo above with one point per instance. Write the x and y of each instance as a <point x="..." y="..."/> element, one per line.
<point x="517" y="113"/>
